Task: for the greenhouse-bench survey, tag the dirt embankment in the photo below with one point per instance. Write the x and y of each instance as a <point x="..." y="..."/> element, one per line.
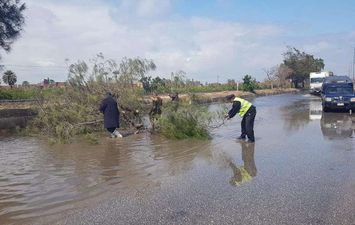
<point x="12" y="118"/>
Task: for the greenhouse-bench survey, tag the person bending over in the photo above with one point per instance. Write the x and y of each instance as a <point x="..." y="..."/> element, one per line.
<point x="247" y="111"/>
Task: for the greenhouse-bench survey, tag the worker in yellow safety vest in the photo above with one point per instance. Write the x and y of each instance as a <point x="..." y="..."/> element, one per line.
<point x="247" y="111"/>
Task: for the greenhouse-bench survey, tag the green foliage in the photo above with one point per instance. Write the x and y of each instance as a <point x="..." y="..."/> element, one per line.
<point x="9" y="78"/>
<point x="301" y="64"/>
<point x="11" y="20"/>
<point x="249" y="83"/>
<point x="160" y="85"/>
<point x="16" y="94"/>
<point x="147" y="86"/>
<point x="163" y="85"/>
<point x="181" y="121"/>
<point x="74" y="111"/>
<point x="61" y="116"/>
<point x="22" y="94"/>
<point x="131" y="70"/>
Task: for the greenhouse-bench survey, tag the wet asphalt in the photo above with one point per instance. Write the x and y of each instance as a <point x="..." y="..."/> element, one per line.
<point x="301" y="170"/>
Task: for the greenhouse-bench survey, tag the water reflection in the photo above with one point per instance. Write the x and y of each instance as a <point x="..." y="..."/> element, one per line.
<point x="245" y="173"/>
<point x="296" y="115"/>
<point x="315" y="109"/>
<point x="337" y="125"/>
<point x="38" y="180"/>
<point x="175" y="157"/>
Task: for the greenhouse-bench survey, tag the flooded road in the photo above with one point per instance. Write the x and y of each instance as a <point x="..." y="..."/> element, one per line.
<point x="301" y="170"/>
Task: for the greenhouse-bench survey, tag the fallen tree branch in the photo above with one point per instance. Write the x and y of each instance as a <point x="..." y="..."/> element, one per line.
<point x="217" y="126"/>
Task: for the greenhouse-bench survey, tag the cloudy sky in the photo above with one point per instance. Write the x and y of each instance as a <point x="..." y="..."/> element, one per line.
<point x="205" y="38"/>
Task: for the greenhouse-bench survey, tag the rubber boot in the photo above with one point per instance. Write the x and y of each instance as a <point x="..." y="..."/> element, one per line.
<point x="117" y="134"/>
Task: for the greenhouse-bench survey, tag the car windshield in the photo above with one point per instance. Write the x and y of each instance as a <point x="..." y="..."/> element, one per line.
<point x="340" y="90"/>
<point x="317" y="80"/>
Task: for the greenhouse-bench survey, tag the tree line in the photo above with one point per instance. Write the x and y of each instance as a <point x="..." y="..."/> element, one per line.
<point x="296" y="67"/>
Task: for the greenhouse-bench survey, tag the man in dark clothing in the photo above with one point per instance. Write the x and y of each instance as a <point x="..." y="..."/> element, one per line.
<point x="246" y="110"/>
<point x="155" y="112"/>
<point x="111" y="115"/>
<point x="157" y="104"/>
<point x="174" y="97"/>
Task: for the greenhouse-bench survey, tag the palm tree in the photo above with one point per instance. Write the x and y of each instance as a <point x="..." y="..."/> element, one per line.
<point x="9" y="78"/>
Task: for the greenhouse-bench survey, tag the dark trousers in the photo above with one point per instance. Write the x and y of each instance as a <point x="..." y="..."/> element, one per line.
<point x="248" y="124"/>
<point x="111" y="129"/>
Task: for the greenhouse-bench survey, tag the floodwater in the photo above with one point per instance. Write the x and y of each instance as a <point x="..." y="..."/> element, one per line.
<point x="301" y="170"/>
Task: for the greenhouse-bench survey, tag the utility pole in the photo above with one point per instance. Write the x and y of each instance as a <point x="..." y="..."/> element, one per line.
<point x="354" y="65"/>
<point x="350" y="69"/>
<point x="217" y="79"/>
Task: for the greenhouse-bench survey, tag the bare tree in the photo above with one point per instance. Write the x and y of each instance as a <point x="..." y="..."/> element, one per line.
<point x="270" y="75"/>
<point x="282" y="74"/>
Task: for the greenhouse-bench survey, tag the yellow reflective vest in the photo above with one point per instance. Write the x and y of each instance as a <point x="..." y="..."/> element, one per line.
<point x="244" y="106"/>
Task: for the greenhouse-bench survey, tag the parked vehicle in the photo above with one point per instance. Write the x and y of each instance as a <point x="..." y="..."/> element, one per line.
<point x="316" y="80"/>
<point x="338" y="93"/>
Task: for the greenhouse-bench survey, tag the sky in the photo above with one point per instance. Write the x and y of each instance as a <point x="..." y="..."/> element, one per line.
<point x="211" y="40"/>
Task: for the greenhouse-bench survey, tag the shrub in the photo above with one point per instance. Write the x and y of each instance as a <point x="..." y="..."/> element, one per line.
<point x="249" y="83"/>
<point x="183" y="120"/>
<point x="16" y="94"/>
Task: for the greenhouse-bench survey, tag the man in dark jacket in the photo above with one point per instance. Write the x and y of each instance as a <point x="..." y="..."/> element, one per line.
<point x="157" y="104"/>
<point x="155" y="112"/>
<point x="111" y="115"/>
<point x="247" y="111"/>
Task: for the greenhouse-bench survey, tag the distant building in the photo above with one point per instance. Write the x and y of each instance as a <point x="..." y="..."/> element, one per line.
<point x="60" y="84"/>
<point x="49" y="83"/>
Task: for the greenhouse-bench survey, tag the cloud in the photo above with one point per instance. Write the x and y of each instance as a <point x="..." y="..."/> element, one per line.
<point x="318" y="46"/>
<point x="202" y="47"/>
<point x="140" y="11"/>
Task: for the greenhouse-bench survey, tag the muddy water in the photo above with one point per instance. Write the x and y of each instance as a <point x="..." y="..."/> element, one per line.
<point x="300" y="171"/>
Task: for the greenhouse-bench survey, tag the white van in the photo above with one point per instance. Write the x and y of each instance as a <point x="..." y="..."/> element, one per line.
<point x="316" y="81"/>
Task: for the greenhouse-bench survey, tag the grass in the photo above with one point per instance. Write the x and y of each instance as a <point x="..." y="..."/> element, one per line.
<point x="24" y="93"/>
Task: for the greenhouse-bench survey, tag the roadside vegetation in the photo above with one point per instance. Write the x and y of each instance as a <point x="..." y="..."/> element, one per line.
<point x="295" y="69"/>
<point x="71" y="111"/>
<point x="181" y="84"/>
<point x="27" y="93"/>
<point x="188" y="120"/>
<point x="74" y="112"/>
